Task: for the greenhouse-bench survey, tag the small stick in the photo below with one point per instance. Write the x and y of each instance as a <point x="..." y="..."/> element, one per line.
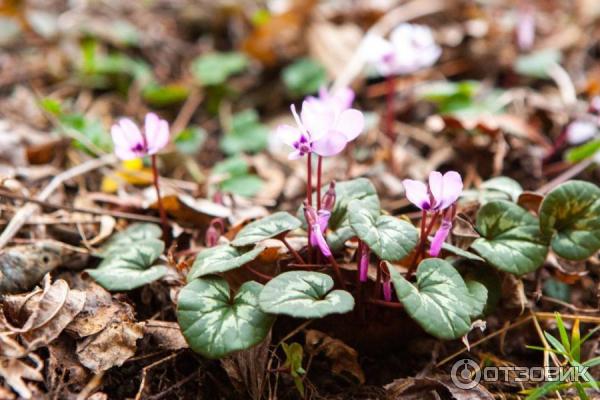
<point x="116" y="214"/>
<point x="291" y="250"/>
<point x="259" y="274"/>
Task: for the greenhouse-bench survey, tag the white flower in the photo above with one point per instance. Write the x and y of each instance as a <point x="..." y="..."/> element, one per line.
<point x="411" y="47"/>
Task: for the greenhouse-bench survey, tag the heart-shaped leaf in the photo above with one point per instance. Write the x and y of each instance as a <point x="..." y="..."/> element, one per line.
<point x="130" y="267"/>
<point x="133" y="234"/>
<point x="389" y="237"/>
<point x="304" y="294"/>
<point x="570" y="216"/>
<point x="215" y="68"/>
<point x="266" y="228"/>
<point x="511" y="239"/>
<point x="440" y="301"/>
<point x="220" y="259"/>
<point x="214" y="324"/>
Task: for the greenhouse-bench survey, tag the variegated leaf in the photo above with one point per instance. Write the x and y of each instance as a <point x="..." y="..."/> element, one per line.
<point x="266" y="228"/>
<point x="304" y="294"/>
<point x="131" y="266"/>
<point x="511" y="239"/>
<point x="390" y="238"/>
<point x="220" y="259"/>
<point x="570" y="216"/>
<point x="133" y="234"/>
<point x="214" y="324"/>
<point x="440" y="301"/>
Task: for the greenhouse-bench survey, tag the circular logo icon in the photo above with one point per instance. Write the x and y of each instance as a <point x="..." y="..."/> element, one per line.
<point x="465" y="374"/>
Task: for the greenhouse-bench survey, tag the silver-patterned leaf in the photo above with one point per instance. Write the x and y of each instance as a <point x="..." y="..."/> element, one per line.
<point x="130" y="267"/>
<point x="304" y="294"/>
<point x="570" y="215"/>
<point x="266" y="228"/>
<point x="214" y="324"/>
<point x="511" y="240"/>
<point x="220" y="259"/>
<point x="440" y="301"/>
<point x="133" y="234"/>
<point x="390" y="238"/>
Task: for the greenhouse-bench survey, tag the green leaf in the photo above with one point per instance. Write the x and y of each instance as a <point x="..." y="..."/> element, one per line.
<point x="216" y="68"/>
<point x="304" y="76"/>
<point x="51" y="105"/>
<point x="583" y="151"/>
<point x="304" y="294"/>
<point x="164" y="95"/>
<point x="536" y="65"/>
<point x="245" y="185"/>
<point x="91" y="129"/>
<point x="133" y="234"/>
<point x="247" y="134"/>
<point x="557" y="289"/>
<point x="214" y="324"/>
<point x="504" y="184"/>
<point x="510" y="240"/>
<point x="570" y="216"/>
<point x="390" y="238"/>
<point x="131" y="266"/>
<point x="440" y="301"/>
<point x="293" y="360"/>
<point x="266" y="228"/>
<point x="479" y="292"/>
<point x="190" y="140"/>
<point x="220" y="259"/>
<point x="486" y="276"/>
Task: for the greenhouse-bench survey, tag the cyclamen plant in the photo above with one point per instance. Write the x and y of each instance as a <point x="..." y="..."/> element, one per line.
<point x="132" y="143"/>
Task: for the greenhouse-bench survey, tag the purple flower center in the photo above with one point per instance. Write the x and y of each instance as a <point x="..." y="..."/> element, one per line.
<point x="303" y="145"/>
<point x="138" y="148"/>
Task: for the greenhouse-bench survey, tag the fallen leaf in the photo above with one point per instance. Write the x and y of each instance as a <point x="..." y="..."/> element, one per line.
<point x="433" y="388"/>
<point x="344" y="359"/>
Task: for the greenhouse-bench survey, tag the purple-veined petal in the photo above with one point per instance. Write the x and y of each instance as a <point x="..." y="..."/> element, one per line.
<point x="440" y="237"/>
<point x="436" y="187"/>
<point x="288" y="134"/>
<point x="351" y="123"/>
<point x="131" y="132"/>
<point x="318" y="118"/>
<point x="452" y="187"/>
<point x="323" y="219"/>
<point x="295" y="155"/>
<point x="320" y="240"/>
<point x="122" y="145"/>
<point x="416" y="192"/>
<point x="331" y="144"/>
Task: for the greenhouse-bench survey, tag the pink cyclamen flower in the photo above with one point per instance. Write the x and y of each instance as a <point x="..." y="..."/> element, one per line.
<point x="440" y="237"/>
<point x="321" y="129"/>
<point x="441" y="193"/>
<point x="318" y="222"/>
<point x="411" y="47"/>
<point x="337" y="101"/>
<point x="131" y="143"/>
<point x="526" y="27"/>
<point x="580" y="131"/>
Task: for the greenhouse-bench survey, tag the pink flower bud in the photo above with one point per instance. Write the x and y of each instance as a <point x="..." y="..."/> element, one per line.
<point x="328" y="199"/>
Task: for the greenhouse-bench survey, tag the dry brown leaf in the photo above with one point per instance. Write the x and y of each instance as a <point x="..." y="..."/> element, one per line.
<point x="164" y="335"/>
<point x="246" y="369"/>
<point x="65" y="375"/>
<point x="344" y="359"/>
<point x="14" y="372"/>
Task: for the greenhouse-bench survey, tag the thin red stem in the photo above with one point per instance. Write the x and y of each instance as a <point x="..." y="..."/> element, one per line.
<point x="161" y="208"/>
<point x="338" y="272"/>
<point x="319" y="172"/>
<point x="259" y="274"/>
<point x="384" y="303"/>
<point x="389" y="109"/>
<point x="419" y="245"/>
<point x="309" y="199"/>
<point x="291" y="250"/>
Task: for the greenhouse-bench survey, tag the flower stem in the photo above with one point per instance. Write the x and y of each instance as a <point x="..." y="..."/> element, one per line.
<point x="319" y="172"/>
<point x="291" y="250"/>
<point x="338" y="273"/>
<point x="260" y="275"/>
<point x="413" y="263"/>
<point x="389" y="109"/>
<point x="309" y="199"/>
<point x="161" y="208"/>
